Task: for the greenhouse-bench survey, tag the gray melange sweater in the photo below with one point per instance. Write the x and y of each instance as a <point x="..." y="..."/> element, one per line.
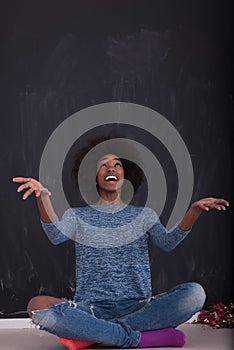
<point x="112" y="261"/>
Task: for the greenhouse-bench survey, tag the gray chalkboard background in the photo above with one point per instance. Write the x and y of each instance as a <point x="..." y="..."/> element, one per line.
<point x="58" y="57"/>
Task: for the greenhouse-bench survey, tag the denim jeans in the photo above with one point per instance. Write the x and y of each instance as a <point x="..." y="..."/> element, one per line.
<point x="120" y="323"/>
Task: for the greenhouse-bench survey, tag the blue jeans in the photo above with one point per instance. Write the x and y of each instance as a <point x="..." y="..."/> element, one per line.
<point x="120" y="323"/>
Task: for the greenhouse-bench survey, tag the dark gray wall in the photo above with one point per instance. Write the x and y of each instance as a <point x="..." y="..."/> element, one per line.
<point x="58" y="57"/>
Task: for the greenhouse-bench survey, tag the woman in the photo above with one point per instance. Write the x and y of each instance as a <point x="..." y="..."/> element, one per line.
<point x="113" y="302"/>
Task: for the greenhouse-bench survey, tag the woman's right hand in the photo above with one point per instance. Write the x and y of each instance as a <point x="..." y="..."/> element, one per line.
<point x="30" y="186"/>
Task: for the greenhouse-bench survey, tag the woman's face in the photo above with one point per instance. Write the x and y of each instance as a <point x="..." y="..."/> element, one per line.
<point x="110" y="173"/>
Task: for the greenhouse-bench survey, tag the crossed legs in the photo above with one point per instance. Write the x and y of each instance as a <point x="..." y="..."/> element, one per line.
<point x="146" y="324"/>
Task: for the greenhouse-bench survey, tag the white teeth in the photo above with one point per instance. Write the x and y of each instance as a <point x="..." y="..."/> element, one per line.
<point x="111" y="178"/>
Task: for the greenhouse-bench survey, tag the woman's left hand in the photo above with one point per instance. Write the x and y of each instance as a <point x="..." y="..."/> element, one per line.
<point x="210" y="203"/>
<point x="198" y="207"/>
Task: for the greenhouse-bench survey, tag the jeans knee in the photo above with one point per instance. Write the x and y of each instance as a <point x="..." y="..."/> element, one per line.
<point x="33" y="305"/>
<point x="44" y="319"/>
<point x="198" y="295"/>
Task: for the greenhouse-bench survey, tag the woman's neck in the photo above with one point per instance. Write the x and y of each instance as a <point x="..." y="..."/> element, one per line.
<point x="116" y="199"/>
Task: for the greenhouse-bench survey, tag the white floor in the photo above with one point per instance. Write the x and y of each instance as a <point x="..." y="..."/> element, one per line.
<point x="199" y="337"/>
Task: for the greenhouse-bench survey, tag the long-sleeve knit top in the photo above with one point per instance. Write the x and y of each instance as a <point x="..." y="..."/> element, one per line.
<point x="112" y="260"/>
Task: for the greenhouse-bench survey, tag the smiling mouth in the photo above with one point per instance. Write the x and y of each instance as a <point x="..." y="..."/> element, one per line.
<point x="111" y="178"/>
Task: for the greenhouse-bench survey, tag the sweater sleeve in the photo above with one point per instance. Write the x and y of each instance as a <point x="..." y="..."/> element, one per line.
<point x="61" y="230"/>
<point x="161" y="237"/>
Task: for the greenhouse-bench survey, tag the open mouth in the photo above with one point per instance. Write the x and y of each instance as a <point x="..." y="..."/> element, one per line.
<point x="111" y="178"/>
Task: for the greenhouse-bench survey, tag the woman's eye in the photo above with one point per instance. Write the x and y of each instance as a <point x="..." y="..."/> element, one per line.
<point x="103" y="165"/>
<point x="118" y="165"/>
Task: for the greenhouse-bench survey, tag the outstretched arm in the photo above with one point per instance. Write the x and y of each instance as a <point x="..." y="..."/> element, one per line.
<point x="30" y="186"/>
<point x="198" y="207"/>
